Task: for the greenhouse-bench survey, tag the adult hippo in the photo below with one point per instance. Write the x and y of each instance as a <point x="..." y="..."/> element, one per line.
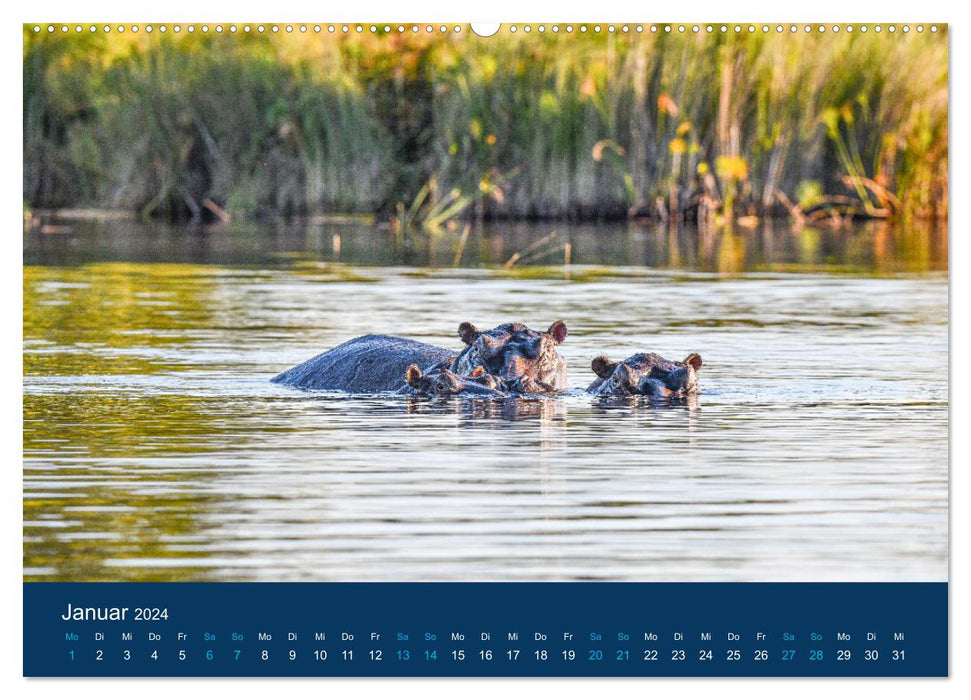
<point x="646" y="374"/>
<point x="520" y="359"/>
<point x="526" y="361"/>
<point x="371" y="364"/>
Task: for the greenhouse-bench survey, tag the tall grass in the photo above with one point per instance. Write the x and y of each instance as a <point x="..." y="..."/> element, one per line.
<point x="593" y="125"/>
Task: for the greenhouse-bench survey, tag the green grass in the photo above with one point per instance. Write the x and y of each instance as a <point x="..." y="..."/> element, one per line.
<point x="433" y="130"/>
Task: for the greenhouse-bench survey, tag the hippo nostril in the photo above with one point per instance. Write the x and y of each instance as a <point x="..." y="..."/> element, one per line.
<point x="653" y="387"/>
<point x="514" y="366"/>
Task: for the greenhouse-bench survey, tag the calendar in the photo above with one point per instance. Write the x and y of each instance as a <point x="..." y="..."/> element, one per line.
<point x="480" y="629"/>
<point x="543" y="349"/>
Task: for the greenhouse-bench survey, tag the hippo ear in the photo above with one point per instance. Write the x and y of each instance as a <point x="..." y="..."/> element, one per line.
<point x="468" y="332"/>
<point x="558" y="331"/>
<point x="602" y="366"/>
<point x="413" y="376"/>
<point x="694" y="359"/>
<point x="478" y="372"/>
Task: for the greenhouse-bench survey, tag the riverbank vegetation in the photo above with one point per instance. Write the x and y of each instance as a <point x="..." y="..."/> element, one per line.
<point x="431" y="131"/>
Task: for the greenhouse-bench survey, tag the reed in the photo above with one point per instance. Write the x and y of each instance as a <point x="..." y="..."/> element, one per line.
<point x="433" y="130"/>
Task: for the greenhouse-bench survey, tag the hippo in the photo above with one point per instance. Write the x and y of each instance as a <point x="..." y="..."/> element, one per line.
<point x="646" y="374"/>
<point x="441" y="381"/>
<point x="520" y="360"/>
<point x="370" y="364"/>
<point x="526" y="361"/>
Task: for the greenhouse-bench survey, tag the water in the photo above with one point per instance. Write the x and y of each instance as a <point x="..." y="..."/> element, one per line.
<point x="155" y="447"/>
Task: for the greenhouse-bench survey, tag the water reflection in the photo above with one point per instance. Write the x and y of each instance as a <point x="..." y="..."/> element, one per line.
<point x="155" y="448"/>
<point x="772" y="245"/>
<point x="541" y="410"/>
<point x="641" y="403"/>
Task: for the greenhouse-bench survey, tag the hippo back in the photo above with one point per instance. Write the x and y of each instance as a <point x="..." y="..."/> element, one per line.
<point x="366" y="365"/>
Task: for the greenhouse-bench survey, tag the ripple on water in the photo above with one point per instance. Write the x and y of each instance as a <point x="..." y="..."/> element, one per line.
<point x="156" y="449"/>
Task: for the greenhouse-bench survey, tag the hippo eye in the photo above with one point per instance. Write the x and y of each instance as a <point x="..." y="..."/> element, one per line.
<point x="532" y="350"/>
<point x="494" y="364"/>
<point x="441" y="387"/>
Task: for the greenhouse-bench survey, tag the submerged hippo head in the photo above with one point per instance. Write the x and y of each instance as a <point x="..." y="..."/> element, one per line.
<point x="524" y="360"/>
<point x="645" y="374"/>
<point x="441" y="381"/>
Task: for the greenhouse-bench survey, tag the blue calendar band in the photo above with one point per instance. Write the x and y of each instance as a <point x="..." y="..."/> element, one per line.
<point x="485" y="629"/>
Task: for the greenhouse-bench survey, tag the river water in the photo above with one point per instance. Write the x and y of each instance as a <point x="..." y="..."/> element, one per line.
<point x="155" y="447"/>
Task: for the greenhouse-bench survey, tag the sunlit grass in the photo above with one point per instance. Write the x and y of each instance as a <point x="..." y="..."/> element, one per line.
<point x="430" y="130"/>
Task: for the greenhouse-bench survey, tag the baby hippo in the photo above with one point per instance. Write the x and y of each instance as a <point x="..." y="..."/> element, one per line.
<point x="441" y="381"/>
<point x="646" y="374"/>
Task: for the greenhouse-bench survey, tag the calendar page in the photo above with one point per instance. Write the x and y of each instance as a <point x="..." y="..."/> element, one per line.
<point x="431" y="349"/>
